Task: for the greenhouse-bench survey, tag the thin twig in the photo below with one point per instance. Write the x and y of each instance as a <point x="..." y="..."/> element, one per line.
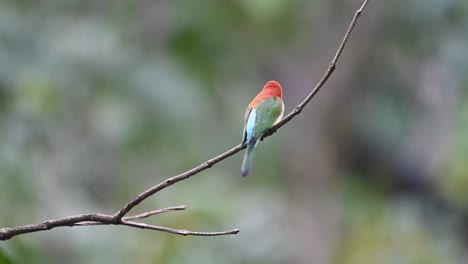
<point x="178" y="231"/>
<point x="119" y="217"/>
<point x="150" y="213"/>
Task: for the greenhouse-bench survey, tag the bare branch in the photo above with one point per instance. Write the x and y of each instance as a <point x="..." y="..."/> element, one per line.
<point x="101" y="219"/>
<point x="119" y="217"/>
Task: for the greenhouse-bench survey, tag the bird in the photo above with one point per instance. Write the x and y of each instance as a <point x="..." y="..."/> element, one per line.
<point x="265" y="110"/>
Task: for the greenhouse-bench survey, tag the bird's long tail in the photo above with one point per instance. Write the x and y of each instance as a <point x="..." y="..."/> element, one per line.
<point x="248" y="159"/>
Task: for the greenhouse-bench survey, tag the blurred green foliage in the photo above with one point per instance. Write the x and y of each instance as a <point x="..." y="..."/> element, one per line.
<point x="4" y="259"/>
<point x="101" y="100"/>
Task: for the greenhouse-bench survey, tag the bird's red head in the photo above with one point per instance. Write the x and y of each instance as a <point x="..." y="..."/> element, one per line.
<point x="273" y="89"/>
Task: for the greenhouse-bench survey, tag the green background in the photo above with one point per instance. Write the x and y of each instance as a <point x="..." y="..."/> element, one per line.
<point x="99" y="100"/>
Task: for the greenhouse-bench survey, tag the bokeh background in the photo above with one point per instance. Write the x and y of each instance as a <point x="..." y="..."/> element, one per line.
<point x="99" y="100"/>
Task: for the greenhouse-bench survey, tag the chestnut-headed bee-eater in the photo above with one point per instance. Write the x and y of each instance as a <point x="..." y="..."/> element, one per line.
<point x="265" y="110"/>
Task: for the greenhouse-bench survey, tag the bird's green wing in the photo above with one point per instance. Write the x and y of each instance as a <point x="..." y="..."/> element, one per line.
<point x="268" y="112"/>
